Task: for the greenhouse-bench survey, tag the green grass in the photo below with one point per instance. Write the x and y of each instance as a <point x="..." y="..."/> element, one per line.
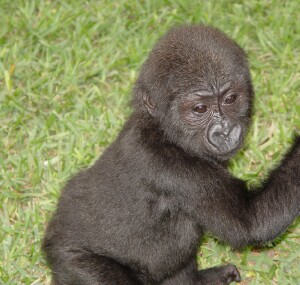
<point x="66" y="73"/>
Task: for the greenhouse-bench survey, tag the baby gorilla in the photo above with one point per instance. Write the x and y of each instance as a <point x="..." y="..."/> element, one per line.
<point x="138" y="214"/>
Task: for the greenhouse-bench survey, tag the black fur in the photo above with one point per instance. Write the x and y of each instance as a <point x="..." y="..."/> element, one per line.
<point x="137" y="215"/>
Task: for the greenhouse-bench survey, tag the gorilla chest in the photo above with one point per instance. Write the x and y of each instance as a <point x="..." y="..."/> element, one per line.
<point x="172" y="238"/>
<point x="174" y="227"/>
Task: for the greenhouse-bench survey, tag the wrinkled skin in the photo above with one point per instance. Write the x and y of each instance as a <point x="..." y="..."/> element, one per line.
<point x="138" y="214"/>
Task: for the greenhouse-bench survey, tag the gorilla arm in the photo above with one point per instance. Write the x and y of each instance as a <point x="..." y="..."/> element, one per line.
<point x="240" y="217"/>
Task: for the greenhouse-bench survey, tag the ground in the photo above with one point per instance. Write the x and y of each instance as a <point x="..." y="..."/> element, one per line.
<point x="66" y="73"/>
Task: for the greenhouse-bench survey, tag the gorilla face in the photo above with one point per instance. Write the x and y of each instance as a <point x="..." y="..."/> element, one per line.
<point x="210" y="123"/>
<point x="216" y="120"/>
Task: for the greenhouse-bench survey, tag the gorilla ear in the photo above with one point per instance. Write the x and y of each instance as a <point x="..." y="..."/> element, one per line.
<point x="151" y="107"/>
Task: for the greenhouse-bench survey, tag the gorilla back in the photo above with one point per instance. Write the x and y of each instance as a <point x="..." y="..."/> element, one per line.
<point x="137" y="215"/>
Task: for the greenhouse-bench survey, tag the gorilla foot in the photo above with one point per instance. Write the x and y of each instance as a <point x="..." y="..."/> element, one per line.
<point x="222" y="275"/>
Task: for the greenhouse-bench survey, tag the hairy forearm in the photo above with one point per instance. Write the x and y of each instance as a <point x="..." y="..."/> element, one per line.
<point x="257" y="216"/>
<point x="277" y="204"/>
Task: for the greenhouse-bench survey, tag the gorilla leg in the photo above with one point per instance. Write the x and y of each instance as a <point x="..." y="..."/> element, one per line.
<point x="84" y="268"/>
<point x="222" y="275"/>
<point x="186" y="276"/>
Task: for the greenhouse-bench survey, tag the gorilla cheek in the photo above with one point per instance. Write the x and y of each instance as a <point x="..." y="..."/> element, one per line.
<point x="224" y="137"/>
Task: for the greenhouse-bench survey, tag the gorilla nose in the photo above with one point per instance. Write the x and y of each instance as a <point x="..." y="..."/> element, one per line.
<point x="224" y="137"/>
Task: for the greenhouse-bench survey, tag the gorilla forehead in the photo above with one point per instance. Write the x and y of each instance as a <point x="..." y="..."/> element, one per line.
<point x="199" y="55"/>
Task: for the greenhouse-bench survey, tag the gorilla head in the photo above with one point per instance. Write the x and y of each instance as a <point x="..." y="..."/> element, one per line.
<point x="197" y="87"/>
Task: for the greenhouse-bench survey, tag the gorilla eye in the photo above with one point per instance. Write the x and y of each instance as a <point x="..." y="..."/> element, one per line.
<point x="230" y="99"/>
<point x="200" y="109"/>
